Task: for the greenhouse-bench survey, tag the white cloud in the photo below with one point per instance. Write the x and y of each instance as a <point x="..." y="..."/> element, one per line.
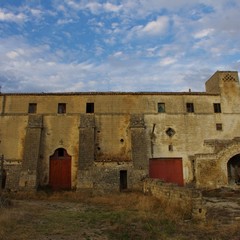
<point x="11" y="17"/>
<point x="156" y="27"/>
<point x="204" y="33"/>
<point x="111" y="7"/>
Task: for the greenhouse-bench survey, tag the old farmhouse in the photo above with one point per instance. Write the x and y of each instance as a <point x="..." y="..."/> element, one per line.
<point x="114" y="140"/>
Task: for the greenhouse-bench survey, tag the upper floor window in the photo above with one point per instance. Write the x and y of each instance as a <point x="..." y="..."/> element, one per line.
<point x="32" y="108"/>
<point x="62" y="108"/>
<point x="90" y="108"/>
<point x="161" y="107"/>
<point x="217" y="107"/>
<point x="190" y="107"/>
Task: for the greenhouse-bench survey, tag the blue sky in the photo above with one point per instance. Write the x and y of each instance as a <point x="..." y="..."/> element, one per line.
<point x="116" y="45"/>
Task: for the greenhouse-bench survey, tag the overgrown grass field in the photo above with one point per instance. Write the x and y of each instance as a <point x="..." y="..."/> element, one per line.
<point x="71" y="215"/>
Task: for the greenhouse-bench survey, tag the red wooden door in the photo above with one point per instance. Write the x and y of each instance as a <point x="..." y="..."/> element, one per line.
<point x="60" y="170"/>
<point x="167" y="169"/>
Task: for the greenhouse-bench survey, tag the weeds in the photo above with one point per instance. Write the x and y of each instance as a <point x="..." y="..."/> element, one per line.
<point x="117" y="216"/>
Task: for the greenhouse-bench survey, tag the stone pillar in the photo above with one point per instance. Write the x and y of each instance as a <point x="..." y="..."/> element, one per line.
<point x="139" y="142"/>
<point x="28" y="176"/>
<point x="86" y="151"/>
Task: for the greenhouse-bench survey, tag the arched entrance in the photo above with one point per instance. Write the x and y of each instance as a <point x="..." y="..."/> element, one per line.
<point x="60" y="170"/>
<point x="233" y="167"/>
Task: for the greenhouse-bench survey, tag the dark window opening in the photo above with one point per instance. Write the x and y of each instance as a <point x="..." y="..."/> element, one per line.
<point x="161" y="107"/>
<point x="219" y="127"/>
<point x="190" y="107"/>
<point x="123" y="180"/>
<point x="217" y="107"/>
<point x="32" y="108"/>
<point x="62" y="108"/>
<point x="90" y="108"/>
<point x="170" y="132"/>
<point x="61" y="152"/>
<point x="170" y="148"/>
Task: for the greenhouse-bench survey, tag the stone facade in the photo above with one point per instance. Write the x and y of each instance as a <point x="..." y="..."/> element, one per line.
<point x="110" y="137"/>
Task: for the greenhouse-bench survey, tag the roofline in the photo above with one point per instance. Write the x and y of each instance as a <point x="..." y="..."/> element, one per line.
<point x="108" y="93"/>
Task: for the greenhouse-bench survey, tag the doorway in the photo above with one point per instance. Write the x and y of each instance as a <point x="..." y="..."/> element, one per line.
<point x="60" y="170"/>
<point x="123" y="180"/>
<point x="233" y="167"/>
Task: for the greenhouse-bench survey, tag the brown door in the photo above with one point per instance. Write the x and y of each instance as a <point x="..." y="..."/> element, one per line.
<point x="60" y="170"/>
<point x="167" y="169"/>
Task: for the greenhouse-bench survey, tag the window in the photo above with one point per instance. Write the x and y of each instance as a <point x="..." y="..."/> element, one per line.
<point x="32" y="108"/>
<point x="161" y="107"/>
<point x="190" y="107"/>
<point x="219" y="127"/>
<point x="90" y="108"/>
<point x="217" y="107"/>
<point x="62" y="108"/>
<point x="60" y="152"/>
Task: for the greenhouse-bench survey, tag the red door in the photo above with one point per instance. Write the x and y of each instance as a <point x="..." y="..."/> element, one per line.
<point x="60" y="170"/>
<point x="167" y="169"/>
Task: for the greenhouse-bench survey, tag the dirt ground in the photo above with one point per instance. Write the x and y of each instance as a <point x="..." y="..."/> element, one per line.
<point x="70" y="216"/>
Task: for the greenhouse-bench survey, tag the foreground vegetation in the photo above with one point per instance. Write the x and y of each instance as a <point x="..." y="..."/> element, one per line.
<point x="72" y="215"/>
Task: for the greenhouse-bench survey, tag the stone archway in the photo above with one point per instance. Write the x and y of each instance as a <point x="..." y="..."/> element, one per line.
<point x="215" y="170"/>
<point x="233" y="167"/>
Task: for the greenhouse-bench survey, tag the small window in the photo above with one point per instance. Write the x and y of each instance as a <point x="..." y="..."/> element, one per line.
<point x="219" y="127"/>
<point x="32" y="108"/>
<point x="60" y="152"/>
<point x="190" y="107"/>
<point x="62" y="108"/>
<point x="90" y="108"/>
<point x="161" y="107"/>
<point x="217" y="107"/>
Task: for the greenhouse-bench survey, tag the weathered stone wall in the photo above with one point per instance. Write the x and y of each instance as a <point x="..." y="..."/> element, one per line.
<point x="125" y="129"/>
<point x="28" y="175"/>
<point x="188" y="200"/>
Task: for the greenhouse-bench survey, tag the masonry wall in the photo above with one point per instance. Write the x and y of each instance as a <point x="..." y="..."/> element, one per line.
<point x="126" y="130"/>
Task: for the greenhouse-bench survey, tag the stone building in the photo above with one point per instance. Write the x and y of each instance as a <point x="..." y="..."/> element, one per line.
<point x="114" y="140"/>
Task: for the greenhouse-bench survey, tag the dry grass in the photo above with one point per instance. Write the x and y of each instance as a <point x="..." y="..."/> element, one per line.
<point x="115" y="216"/>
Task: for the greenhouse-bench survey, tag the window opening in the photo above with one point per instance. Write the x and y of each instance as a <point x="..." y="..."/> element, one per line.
<point x="190" y="107"/>
<point x="219" y="127"/>
<point x="62" y="108"/>
<point x="170" y="132"/>
<point x="90" y="108"/>
<point x="60" y="152"/>
<point x="217" y="107"/>
<point x="32" y="108"/>
<point x="161" y="107"/>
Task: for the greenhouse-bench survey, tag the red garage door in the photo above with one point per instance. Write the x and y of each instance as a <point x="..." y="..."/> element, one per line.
<point x="60" y="170"/>
<point x="167" y="169"/>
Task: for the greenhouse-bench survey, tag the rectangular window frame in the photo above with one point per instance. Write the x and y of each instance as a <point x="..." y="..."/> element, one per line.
<point x="219" y="127"/>
<point x="161" y="107"/>
<point x="32" y="108"/>
<point x="90" y="107"/>
<point x="62" y="108"/>
<point x="190" y="107"/>
<point x="217" y="107"/>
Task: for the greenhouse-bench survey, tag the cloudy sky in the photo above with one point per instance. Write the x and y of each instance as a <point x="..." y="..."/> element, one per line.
<point x="116" y="45"/>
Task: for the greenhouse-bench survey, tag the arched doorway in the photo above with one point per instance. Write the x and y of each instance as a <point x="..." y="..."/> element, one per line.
<point x="60" y="170"/>
<point x="233" y="167"/>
